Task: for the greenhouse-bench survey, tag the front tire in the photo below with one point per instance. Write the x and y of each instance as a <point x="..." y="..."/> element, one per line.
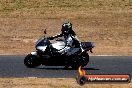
<point x="31" y="61"/>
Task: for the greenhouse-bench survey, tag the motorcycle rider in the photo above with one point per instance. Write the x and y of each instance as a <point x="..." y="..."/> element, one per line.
<point x="73" y="45"/>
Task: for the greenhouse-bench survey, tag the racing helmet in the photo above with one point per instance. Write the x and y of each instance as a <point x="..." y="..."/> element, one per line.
<point x="66" y="28"/>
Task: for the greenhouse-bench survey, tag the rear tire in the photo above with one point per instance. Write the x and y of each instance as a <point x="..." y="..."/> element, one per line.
<point x="80" y="61"/>
<point x="75" y="66"/>
<point x="31" y="61"/>
<point x="85" y="59"/>
<point x="66" y="67"/>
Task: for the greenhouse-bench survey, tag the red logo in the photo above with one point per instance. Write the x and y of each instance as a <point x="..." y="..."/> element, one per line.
<point x="83" y="78"/>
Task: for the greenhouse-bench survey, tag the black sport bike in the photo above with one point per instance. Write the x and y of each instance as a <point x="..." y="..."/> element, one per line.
<point x="47" y="54"/>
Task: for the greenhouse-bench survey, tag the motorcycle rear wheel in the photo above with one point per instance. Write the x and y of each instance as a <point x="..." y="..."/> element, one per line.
<point x="80" y="61"/>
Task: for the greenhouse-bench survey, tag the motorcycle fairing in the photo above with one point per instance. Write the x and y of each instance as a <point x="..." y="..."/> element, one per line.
<point x="42" y="48"/>
<point x="59" y="45"/>
<point x="34" y="53"/>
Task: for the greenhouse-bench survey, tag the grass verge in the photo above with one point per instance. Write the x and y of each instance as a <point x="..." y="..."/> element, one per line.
<point x="53" y="83"/>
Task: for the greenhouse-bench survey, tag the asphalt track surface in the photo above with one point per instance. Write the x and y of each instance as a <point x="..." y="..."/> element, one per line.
<point x="12" y="66"/>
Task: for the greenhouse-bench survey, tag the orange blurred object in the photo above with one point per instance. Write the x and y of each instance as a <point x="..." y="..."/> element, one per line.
<point x="81" y="71"/>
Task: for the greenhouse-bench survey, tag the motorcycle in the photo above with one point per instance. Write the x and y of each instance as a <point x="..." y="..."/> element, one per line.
<point x="47" y="53"/>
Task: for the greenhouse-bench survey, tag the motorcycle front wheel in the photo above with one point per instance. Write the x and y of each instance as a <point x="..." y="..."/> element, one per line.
<point x="31" y="61"/>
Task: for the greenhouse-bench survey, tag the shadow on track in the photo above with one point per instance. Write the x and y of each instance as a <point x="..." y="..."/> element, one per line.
<point x="51" y="68"/>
